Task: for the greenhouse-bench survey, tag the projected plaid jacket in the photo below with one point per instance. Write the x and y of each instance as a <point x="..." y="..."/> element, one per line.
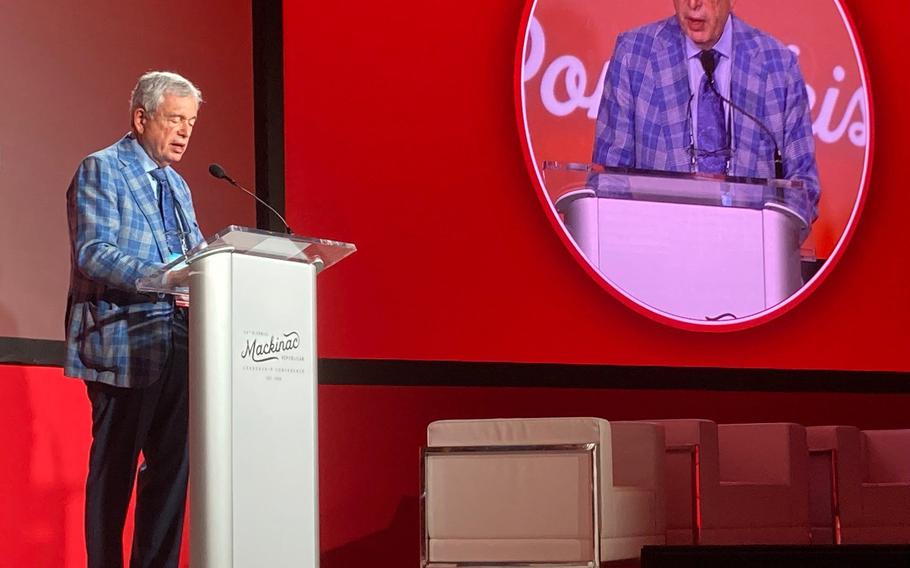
<point x="643" y="120"/>
<point x="114" y="334"/>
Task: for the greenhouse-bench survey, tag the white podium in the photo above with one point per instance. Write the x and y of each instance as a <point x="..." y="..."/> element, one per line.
<point x="701" y="247"/>
<point x="253" y="395"/>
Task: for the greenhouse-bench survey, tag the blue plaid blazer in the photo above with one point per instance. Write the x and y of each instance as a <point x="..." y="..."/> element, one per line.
<point x="643" y="120"/>
<point x="114" y="334"/>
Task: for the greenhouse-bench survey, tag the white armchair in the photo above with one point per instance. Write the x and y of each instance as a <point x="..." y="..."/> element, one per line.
<point x="860" y="485"/>
<point x="737" y="484"/>
<point x="574" y="491"/>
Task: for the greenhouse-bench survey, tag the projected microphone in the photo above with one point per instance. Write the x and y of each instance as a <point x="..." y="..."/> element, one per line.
<point x="709" y="65"/>
<point x="218" y="172"/>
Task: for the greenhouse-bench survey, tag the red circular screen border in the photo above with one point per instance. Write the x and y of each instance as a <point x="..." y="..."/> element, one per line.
<point x="628" y="300"/>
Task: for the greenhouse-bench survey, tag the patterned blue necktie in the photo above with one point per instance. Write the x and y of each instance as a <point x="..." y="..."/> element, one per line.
<point x="167" y="206"/>
<point x="712" y="132"/>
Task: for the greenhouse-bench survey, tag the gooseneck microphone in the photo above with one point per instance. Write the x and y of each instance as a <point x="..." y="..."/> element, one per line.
<point x="709" y="64"/>
<point x="219" y="173"/>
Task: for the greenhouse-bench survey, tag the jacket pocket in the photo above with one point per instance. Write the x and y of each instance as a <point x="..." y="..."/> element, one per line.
<point x="103" y="342"/>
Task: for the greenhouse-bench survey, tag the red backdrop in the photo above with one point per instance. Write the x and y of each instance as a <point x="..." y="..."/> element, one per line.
<point x="69" y="72"/>
<point x="401" y="137"/>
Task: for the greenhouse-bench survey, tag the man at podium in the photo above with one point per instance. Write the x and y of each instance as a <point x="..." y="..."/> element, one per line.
<point x="129" y="212"/>
<point x="703" y="91"/>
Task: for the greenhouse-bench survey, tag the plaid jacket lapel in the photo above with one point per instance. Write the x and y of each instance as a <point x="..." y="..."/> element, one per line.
<point x="143" y="193"/>
<point x="673" y="73"/>
<point x="748" y="90"/>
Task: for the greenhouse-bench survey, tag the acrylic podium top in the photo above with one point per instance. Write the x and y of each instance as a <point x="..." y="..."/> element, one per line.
<point x="173" y="277"/>
<point x="570" y="181"/>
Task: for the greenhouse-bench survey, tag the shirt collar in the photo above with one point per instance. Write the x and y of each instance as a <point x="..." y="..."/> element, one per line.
<point x="147" y="163"/>
<point x="724" y="45"/>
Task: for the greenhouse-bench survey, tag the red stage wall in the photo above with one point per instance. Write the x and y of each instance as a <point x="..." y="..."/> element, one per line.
<point x="401" y="137"/>
<point x="369" y="439"/>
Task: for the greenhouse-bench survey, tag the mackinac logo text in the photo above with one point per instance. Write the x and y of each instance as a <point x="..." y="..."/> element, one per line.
<point x="259" y="350"/>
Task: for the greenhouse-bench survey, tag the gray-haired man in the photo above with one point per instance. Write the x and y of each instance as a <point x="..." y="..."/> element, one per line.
<point x="129" y="212"/>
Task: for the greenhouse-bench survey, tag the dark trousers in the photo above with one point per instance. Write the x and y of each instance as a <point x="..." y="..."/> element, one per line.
<point x="125" y="421"/>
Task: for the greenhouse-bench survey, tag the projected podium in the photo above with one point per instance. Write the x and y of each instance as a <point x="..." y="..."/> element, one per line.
<point x="702" y="247"/>
<point x="253" y="419"/>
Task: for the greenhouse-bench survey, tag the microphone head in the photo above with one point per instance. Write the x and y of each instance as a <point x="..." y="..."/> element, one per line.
<point x="708" y="62"/>
<point x="217" y="171"/>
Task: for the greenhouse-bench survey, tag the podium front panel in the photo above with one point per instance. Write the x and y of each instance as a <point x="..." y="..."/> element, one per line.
<point x="692" y="247"/>
<point x="274" y="420"/>
<point x="693" y="261"/>
<point x="253" y="408"/>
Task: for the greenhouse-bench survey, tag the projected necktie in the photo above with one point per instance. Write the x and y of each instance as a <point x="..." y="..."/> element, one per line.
<point x="167" y="205"/>
<point x="712" y="133"/>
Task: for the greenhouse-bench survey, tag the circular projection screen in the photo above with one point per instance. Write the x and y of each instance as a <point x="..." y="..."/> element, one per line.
<point x="674" y="258"/>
